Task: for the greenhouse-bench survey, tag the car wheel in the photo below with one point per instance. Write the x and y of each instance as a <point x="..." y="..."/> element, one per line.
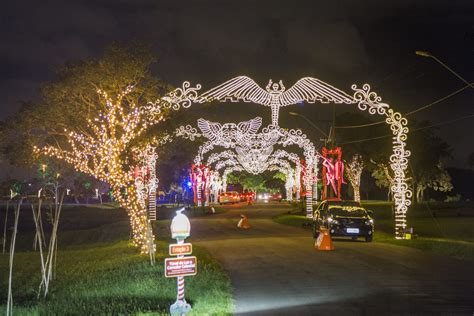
<point x="368" y="238"/>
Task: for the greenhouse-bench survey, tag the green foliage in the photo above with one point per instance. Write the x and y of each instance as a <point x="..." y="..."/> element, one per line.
<point x="267" y="181"/>
<point x="380" y="177"/>
<point x="249" y="181"/>
<point x="16" y="186"/>
<point x="427" y="153"/>
<point x="279" y="176"/>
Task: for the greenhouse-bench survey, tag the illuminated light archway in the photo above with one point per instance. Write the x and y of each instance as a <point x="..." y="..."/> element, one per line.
<point x="279" y="160"/>
<point x="253" y="149"/>
<point x="309" y="89"/>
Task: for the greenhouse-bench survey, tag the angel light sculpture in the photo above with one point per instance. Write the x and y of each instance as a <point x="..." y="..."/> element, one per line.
<point x="275" y="95"/>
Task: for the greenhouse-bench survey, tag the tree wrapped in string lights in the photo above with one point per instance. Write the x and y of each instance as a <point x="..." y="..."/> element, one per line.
<point x="101" y="150"/>
<point x="354" y="172"/>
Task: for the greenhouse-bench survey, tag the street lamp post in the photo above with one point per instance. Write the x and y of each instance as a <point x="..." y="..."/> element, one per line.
<point x="427" y="54"/>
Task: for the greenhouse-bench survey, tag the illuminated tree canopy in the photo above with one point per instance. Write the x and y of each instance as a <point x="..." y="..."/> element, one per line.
<point x="92" y="117"/>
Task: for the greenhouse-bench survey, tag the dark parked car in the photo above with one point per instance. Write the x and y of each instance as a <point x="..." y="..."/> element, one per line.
<point x="343" y="219"/>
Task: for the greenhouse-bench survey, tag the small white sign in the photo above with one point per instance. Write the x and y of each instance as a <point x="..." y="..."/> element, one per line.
<point x="353" y="230"/>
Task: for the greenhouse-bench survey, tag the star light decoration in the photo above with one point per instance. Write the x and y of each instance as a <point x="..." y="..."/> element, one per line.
<point x="310" y="90"/>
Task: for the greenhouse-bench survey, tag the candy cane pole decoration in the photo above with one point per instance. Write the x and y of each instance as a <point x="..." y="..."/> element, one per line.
<point x="180" y="279"/>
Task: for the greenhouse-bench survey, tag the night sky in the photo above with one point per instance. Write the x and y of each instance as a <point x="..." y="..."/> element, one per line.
<point x="209" y="42"/>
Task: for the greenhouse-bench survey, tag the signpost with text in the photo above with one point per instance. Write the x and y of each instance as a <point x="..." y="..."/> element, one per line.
<point x="180" y="266"/>
<point x="180" y="249"/>
<point x="185" y="266"/>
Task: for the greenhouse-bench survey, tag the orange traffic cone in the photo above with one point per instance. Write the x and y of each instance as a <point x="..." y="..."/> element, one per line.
<point x="243" y="223"/>
<point x="324" y="241"/>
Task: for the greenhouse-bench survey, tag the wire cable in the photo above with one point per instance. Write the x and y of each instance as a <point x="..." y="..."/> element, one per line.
<point x="413" y="130"/>
<point x="414" y="111"/>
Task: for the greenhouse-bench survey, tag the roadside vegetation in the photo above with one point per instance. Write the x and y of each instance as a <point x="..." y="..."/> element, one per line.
<point x="99" y="273"/>
<point x="444" y="228"/>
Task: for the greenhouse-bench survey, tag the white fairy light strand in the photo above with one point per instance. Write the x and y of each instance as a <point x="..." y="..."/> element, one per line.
<point x="368" y="100"/>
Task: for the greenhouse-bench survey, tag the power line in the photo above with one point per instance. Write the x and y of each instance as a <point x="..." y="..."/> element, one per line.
<point x="413" y="130"/>
<point x="439" y="100"/>
<point x="414" y="111"/>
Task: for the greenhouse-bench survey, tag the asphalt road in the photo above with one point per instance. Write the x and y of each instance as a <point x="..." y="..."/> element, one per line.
<point x="275" y="270"/>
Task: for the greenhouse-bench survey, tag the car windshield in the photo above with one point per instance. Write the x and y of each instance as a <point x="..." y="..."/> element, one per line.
<point x="351" y="211"/>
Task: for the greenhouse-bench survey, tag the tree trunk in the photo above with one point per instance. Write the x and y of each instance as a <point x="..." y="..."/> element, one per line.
<point x="415" y="190"/>
<point x="356" y="193"/>
<point x="420" y="190"/>
<point x="415" y="185"/>
<point x="138" y="216"/>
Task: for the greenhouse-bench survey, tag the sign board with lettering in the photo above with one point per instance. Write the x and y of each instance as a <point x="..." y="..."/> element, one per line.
<point x="180" y="249"/>
<point x="185" y="266"/>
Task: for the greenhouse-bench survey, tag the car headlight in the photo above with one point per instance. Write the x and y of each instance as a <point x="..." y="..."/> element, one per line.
<point x="333" y="221"/>
<point x="369" y="222"/>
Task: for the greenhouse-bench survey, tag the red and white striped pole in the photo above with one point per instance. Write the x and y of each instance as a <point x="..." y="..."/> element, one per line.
<point x="309" y="201"/>
<point x="180" y="279"/>
<point x="180" y="296"/>
<point x="180" y="229"/>
<point x="180" y="307"/>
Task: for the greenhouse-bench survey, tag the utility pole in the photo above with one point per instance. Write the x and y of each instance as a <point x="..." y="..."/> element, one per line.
<point x="332" y="130"/>
<point x="326" y="138"/>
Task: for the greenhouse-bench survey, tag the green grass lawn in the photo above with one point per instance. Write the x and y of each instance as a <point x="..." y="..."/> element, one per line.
<point x="443" y="228"/>
<point x="449" y="247"/>
<point x="99" y="273"/>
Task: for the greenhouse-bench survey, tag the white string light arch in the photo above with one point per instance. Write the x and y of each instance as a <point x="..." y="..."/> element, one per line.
<point x="310" y="90"/>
